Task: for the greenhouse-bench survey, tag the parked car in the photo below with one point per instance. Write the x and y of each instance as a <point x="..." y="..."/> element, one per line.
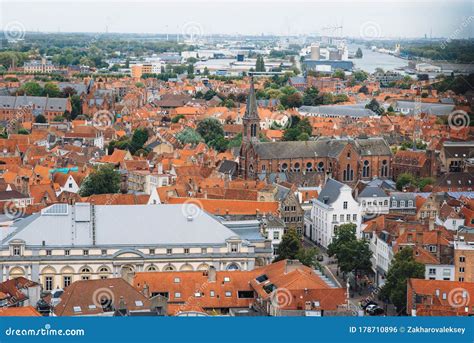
<point x="364" y="304"/>
<point x="375" y="311"/>
<point x="370" y="307"/>
<point x="320" y="258"/>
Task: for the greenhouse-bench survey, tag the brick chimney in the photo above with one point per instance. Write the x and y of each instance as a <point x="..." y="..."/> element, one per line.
<point x="211" y="276"/>
<point x="25" y="185"/>
<point x="146" y="290"/>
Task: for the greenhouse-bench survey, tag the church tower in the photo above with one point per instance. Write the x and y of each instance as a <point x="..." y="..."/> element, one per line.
<point x="250" y="134"/>
<point x="251" y="120"/>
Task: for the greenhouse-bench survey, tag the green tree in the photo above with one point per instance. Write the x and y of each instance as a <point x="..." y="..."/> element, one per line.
<point x="402" y="267"/>
<point x="404" y="180"/>
<point x="190" y="69"/>
<point x="360" y="75"/>
<point x="260" y="64"/>
<point x="375" y="107"/>
<point x="236" y="141"/>
<point x="209" y="94"/>
<point x="177" y="118"/>
<point x="339" y="73"/>
<point x="68" y="92"/>
<point x="219" y="143"/>
<point x="298" y="130"/>
<point x="291" y="100"/>
<point x="289" y="246"/>
<point x="31" y="89"/>
<point x="353" y="255"/>
<point x="303" y="137"/>
<point x="40" y="119"/>
<point x="422" y="183"/>
<point x="23" y="131"/>
<point x="52" y="90"/>
<point x="210" y="129"/>
<point x="103" y="180"/>
<point x="311" y="97"/>
<point x="308" y="256"/>
<point x="189" y="136"/>
<point x="139" y="138"/>
<point x="358" y="53"/>
<point x="76" y="106"/>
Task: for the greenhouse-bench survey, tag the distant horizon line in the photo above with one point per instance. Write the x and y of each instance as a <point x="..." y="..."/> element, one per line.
<point x="262" y="34"/>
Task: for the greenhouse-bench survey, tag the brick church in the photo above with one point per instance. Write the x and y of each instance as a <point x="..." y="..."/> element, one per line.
<point x="344" y="159"/>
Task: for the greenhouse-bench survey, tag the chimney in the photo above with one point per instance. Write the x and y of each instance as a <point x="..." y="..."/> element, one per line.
<point x="122" y="306"/>
<point x="25" y="185"/>
<point x="431" y="224"/>
<point x="211" y="277"/>
<point x="146" y="290"/>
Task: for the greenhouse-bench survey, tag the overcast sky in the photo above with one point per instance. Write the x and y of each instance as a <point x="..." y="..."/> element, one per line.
<point x="382" y="18"/>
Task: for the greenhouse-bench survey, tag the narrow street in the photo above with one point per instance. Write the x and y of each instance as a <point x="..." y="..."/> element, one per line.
<point x="365" y="292"/>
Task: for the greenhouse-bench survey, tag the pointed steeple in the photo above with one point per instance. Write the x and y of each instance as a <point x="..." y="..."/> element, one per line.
<point x="251" y="112"/>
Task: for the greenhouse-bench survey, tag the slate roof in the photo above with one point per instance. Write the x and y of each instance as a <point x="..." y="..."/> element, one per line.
<point x="39" y="102"/>
<point x="294" y="149"/>
<point x="338" y="110"/>
<point x="372" y="192"/>
<point x="331" y="191"/>
<point x="127" y="225"/>
<point x="320" y="148"/>
<point x="435" y="109"/>
<point x="372" y="146"/>
<point x="228" y="167"/>
<point x="282" y="192"/>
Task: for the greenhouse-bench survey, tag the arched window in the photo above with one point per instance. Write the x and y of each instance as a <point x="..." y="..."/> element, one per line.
<point x="151" y="268"/>
<point x="85" y="271"/>
<point x="253" y="130"/>
<point x="366" y="169"/>
<point x="348" y="174"/>
<point x="284" y="167"/>
<point x="321" y="167"/>
<point x="384" y="169"/>
<point x="296" y="167"/>
<point x="309" y="166"/>
<point x="232" y="266"/>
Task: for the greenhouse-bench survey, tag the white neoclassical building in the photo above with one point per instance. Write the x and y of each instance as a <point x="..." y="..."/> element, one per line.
<point x="334" y="206"/>
<point x="64" y="243"/>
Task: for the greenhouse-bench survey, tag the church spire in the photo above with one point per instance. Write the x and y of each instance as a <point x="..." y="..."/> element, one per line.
<point x="251" y="121"/>
<point x="251" y="112"/>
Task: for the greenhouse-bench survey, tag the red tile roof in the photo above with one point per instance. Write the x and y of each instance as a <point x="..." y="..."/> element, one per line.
<point x="26" y="311"/>
<point x="232" y="207"/>
<point x="188" y="290"/>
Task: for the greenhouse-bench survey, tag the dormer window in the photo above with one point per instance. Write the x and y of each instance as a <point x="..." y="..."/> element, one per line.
<point x="16" y="250"/>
